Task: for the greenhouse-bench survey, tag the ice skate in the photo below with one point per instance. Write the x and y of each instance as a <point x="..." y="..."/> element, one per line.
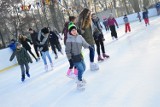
<point x="28" y="75"/>
<point x="70" y="74"/>
<point x="94" y="66"/>
<point x="56" y="56"/>
<point x="80" y="85"/>
<point x="105" y="55"/>
<point x="100" y="58"/>
<point x="52" y="66"/>
<point x="23" y="78"/>
<point x="46" y="67"/>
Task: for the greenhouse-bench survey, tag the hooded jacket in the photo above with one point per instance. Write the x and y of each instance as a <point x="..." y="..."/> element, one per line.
<point x="74" y="45"/>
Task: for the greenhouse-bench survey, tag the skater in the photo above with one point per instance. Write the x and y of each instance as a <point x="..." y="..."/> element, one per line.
<point x="158" y="8"/>
<point x="86" y="29"/>
<point x="34" y="37"/>
<point x="70" y="72"/>
<point x="139" y="16"/>
<point x="24" y="41"/>
<point x="73" y="50"/>
<point x="111" y="23"/>
<point x="12" y="45"/>
<point x="43" y="44"/>
<point x="23" y="59"/>
<point x="127" y="24"/>
<point x="145" y="16"/>
<point x="54" y="42"/>
<point x="105" y="23"/>
<point x="98" y="37"/>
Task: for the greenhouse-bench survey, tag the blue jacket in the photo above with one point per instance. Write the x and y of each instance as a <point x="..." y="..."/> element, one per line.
<point x="145" y="15"/>
<point x="12" y="46"/>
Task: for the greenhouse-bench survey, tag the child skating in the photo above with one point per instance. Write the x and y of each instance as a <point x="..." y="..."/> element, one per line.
<point x="23" y="59"/>
<point x="127" y="24"/>
<point x="73" y="51"/>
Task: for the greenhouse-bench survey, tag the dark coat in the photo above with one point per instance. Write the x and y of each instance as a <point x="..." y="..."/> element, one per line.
<point x="145" y="15"/>
<point x="22" y="56"/>
<point x="12" y="46"/>
<point x="25" y="43"/>
<point x="34" y="37"/>
<point x="53" y="38"/>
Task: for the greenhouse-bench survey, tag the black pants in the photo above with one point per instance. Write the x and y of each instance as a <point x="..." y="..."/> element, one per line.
<point x="113" y="31"/>
<point x="32" y="54"/>
<point x="36" y="50"/>
<point x="100" y="44"/>
<point x="54" y="46"/>
<point x="71" y="64"/>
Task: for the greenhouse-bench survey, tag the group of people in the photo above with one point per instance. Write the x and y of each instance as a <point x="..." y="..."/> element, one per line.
<point x="82" y="31"/>
<point x="41" y="41"/>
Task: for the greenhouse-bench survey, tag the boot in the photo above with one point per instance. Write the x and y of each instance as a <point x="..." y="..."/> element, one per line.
<point x="100" y="58"/>
<point x="105" y="56"/>
<point x="75" y="71"/>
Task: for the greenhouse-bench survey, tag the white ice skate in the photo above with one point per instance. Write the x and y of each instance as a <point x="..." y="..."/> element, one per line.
<point x="80" y="86"/>
<point x="94" y="66"/>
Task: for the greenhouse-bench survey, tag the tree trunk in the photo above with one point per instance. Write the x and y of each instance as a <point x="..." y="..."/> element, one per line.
<point x="3" y="42"/>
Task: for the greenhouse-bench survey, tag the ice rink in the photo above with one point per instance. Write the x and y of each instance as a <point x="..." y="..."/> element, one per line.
<point x="130" y="78"/>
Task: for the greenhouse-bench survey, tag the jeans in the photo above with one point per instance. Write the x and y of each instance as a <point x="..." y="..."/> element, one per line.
<point x="44" y="55"/>
<point x="91" y="53"/>
<point x="99" y="43"/>
<point x="81" y="68"/>
<point x="23" y="70"/>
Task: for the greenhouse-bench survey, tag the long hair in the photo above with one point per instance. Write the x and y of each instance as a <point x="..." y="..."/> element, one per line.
<point x="84" y="20"/>
<point x="22" y="38"/>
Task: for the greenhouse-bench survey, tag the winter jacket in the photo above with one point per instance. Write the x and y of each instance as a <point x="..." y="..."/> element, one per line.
<point x="97" y="23"/>
<point x="105" y="23"/>
<point x="43" y="42"/>
<point x="112" y="22"/>
<point x="53" y="38"/>
<point x="126" y="19"/>
<point x="12" y="46"/>
<point x="25" y="43"/>
<point x="145" y="15"/>
<point x="34" y="37"/>
<point x="22" y="56"/>
<point x="74" y="45"/>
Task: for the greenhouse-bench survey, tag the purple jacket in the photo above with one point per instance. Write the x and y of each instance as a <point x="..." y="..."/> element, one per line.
<point x="112" y="22"/>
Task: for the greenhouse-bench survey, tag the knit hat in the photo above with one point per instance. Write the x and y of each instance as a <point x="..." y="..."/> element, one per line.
<point x="17" y="44"/>
<point x="71" y="27"/>
<point x="45" y="30"/>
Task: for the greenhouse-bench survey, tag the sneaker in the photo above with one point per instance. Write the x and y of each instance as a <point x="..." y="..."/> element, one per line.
<point x="94" y="66"/>
<point x="46" y="67"/>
